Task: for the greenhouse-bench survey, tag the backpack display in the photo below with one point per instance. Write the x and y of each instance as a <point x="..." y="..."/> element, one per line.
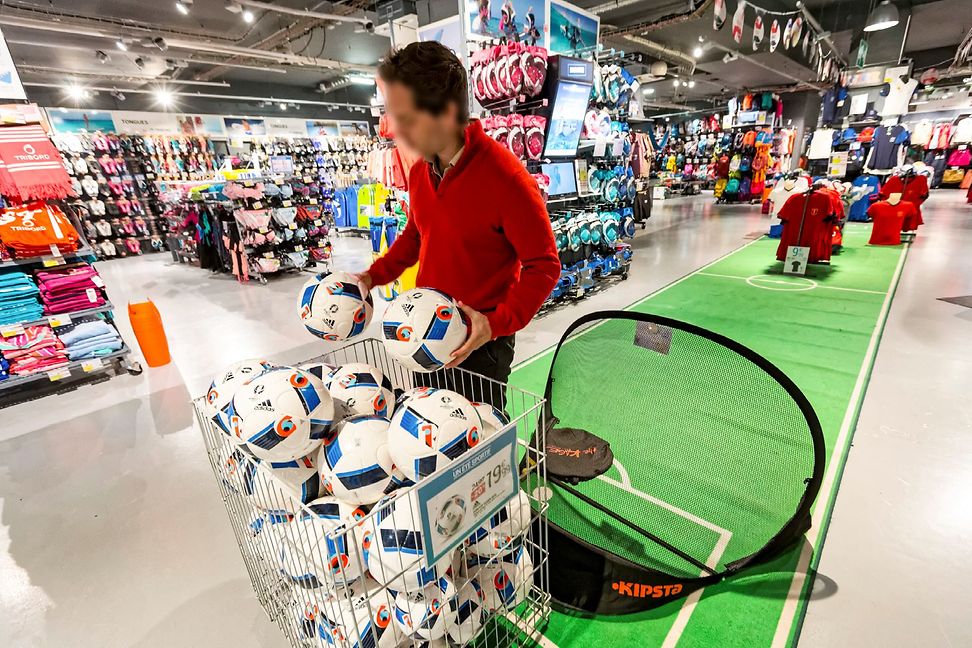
<point x="732" y="187"/>
<point x="720" y="187"/>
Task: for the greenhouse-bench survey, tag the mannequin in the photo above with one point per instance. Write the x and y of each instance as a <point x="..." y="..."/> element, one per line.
<point x="793" y="183"/>
<point x="914" y="189"/>
<point x="890" y="217"/>
<point x="895" y="198"/>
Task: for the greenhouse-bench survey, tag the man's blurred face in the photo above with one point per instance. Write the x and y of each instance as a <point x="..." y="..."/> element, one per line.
<point x="419" y="130"/>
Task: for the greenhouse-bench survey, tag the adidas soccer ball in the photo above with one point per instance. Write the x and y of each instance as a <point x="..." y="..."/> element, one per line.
<point x="496" y="535"/>
<point x="355" y="616"/>
<point x="469" y="612"/>
<point x="505" y="581"/>
<point x="311" y="559"/>
<point x="355" y="465"/>
<point x="320" y="370"/>
<point x="430" y="430"/>
<point x="333" y="308"/>
<point x="294" y="482"/>
<point x="422" y="328"/>
<point x="428" y="612"/>
<point x="493" y="419"/>
<point x="362" y="389"/>
<point x="394" y="548"/>
<point x="408" y="393"/>
<point x="221" y="390"/>
<point x="282" y="414"/>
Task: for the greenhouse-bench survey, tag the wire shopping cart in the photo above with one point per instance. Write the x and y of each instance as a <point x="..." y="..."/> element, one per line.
<point x="316" y="587"/>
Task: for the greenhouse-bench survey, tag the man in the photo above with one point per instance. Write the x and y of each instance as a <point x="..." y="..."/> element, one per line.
<point x="478" y="226"/>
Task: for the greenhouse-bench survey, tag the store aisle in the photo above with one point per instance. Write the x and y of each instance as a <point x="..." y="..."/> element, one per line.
<point x="132" y="546"/>
<point x="899" y="549"/>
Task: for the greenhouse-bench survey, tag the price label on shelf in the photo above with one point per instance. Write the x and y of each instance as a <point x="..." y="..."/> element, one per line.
<point x="58" y="374"/>
<point x="299" y="248"/>
<point x="318" y="222"/>
<point x="268" y="255"/>
<point x="278" y="181"/>
<point x="56" y="251"/>
<point x="308" y="179"/>
<point x="91" y="365"/>
<point x="292" y="226"/>
<point x="59" y="320"/>
<point x="50" y="263"/>
<point x="456" y="500"/>
<point x="313" y="201"/>
<point x="11" y="330"/>
<point x="600" y="147"/>
<point x="258" y="205"/>
<point x="248" y="183"/>
<point x="287" y="203"/>
<point x="263" y="230"/>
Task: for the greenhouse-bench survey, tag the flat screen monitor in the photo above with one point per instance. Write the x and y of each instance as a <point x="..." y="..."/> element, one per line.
<point x="567" y="119"/>
<point x="563" y="182"/>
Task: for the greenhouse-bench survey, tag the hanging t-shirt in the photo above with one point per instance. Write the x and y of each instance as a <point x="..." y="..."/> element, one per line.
<point x="781" y="194"/>
<point x="858" y="209"/>
<point x="858" y="104"/>
<point x="963" y="132"/>
<point x="815" y="209"/>
<point x="829" y="108"/>
<point x="821" y="144"/>
<point x="922" y="133"/>
<point x="886" y="145"/>
<point x="940" y="136"/>
<point x="889" y="221"/>
<point x="896" y="103"/>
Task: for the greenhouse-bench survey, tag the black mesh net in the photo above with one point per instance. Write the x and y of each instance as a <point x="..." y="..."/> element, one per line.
<point x="716" y="452"/>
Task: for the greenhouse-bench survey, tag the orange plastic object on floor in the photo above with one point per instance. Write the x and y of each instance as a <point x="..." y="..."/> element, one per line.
<point x="147" y="324"/>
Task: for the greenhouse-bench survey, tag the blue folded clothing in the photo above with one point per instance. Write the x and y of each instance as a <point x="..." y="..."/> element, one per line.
<point x="87" y="330"/>
<point x="94" y="347"/>
<point x="9" y="278"/>
<point x="21" y="313"/>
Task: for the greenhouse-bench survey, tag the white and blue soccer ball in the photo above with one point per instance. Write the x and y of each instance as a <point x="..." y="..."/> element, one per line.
<point x="333" y="308"/>
<point x="311" y="558"/>
<point x="354" y="616"/>
<point x="362" y="389"/>
<point x="431" y="429"/>
<point x="320" y="370"/>
<point x="505" y="580"/>
<point x="469" y="613"/>
<point x="497" y="535"/>
<point x="224" y="385"/>
<point x="355" y="464"/>
<point x="394" y="548"/>
<point x="493" y="419"/>
<point x="283" y="414"/>
<point x="428" y="612"/>
<point x="422" y="328"/>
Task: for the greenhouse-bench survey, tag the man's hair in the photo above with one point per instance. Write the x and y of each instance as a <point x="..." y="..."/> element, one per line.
<point x="432" y="72"/>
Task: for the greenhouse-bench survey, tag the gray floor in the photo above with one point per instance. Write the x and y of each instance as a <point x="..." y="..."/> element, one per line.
<point x="112" y="533"/>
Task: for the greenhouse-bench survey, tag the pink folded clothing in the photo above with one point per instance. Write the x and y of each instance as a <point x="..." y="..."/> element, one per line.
<point x="72" y="304"/>
<point x="33" y="339"/>
<point x="36" y="364"/>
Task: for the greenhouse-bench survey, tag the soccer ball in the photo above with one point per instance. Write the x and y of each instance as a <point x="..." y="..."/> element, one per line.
<point x="221" y="390"/>
<point x="408" y="393"/>
<point x="355" y="464"/>
<point x="394" y="550"/>
<point x="362" y="389"/>
<point x="354" y="616"/>
<point x="311" y="559"/>
<point x="505" y="581"/>
<point x="431" y="429"/>
<point x="422" y="328"/>
<point x="493" y="419"/>
<point x="495" y="536"/>
<point x="297" y="482"/>
<point x="320" y="370"/>
<point x="282" y="414"/>
<point x="332" y="307"/>
<point x="428" y="612"/>
<point x="469" y="612"/>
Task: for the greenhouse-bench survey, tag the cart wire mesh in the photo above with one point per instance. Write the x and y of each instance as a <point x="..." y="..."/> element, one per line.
<point x="309" y="567"/>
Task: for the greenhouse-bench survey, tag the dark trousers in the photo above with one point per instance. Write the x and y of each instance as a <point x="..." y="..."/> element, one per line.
<point x="492" y="360"/>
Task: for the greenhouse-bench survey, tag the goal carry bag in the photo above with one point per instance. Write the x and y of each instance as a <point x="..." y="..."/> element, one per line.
<point x="698" y="460"/>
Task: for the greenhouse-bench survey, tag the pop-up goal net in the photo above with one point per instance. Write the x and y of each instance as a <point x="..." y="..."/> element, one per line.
<point x="675" y="457"/>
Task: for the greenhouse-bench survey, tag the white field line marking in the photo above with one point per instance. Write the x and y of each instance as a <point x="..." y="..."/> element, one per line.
<point x="790" y="283"/>
<point x="544" y="353"/>
<point x="625" y="479"/>
<point x="691" y="517"/>
<point x="826" y="488"/>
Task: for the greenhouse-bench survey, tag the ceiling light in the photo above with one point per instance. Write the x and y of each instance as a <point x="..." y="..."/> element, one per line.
<point x="697" y="52"/>
<point x="75" y="92"/>
<point x="677" y="82"/>
<point x="649" y="91"/>
<point x="283" y="106"/>
<point x="362" y="80"/>
<point x="691" y="84"/>
<point x="182" y="7"/>
<point x="120" y="44"/>
<point x="884" y="16"/>
<point x="163" y="97"/>
<point x="248" y="16"/>
<point x="102" y="57"/>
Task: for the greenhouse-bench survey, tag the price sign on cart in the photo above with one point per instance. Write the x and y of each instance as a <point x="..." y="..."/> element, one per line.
<point x="796" y="260"/>
<point x="458" y="499"/>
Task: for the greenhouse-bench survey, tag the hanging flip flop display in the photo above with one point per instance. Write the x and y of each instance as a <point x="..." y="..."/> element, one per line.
<point x="797" y="30"/>
<point x="774" y="35"/>
<point x="787" y="33"/>
<point x="806" y="43"/>
<point x="738" y="19"/>
<point x="719" y="16"/>
<point x="758" y="31"/>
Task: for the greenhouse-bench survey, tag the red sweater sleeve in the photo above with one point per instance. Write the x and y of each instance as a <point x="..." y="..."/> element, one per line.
<point x="527" y="227"/>
<point x="403" y="254"/>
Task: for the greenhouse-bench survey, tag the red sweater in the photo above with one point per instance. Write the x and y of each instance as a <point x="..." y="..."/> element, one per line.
<point x="482" y="236"/>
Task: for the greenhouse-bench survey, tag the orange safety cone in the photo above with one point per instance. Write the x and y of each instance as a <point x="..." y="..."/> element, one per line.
<point x="147" y="324"/>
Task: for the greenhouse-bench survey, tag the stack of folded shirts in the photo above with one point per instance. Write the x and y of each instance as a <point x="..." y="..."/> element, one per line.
<point x="91" y="340"/>
<point x="18" y="299"/>
<point x="36" y="349"/>
<point x="70" y="288"/>
<point x="37" y="229"/>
